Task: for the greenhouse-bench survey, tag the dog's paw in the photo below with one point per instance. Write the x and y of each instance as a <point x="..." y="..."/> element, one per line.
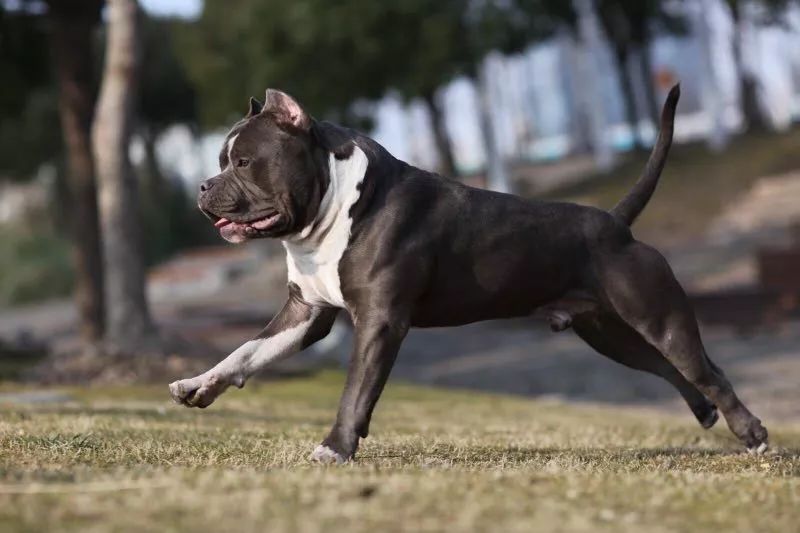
<point x="755" y="438"/>
<point x="758" y="450"/>
<point x="710" y="418"/>
<point x="323" y="454"/>
<point x="200" y="391"/>
<point x="559" y="321"/>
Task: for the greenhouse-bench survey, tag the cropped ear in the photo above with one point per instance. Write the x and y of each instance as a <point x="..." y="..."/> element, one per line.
<point x="286" y="110"/>
<point x="255" y="108"/>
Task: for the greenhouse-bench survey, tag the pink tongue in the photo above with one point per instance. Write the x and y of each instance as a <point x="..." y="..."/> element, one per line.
<point x="264" y="223"/>
<point x="221" y="223"/>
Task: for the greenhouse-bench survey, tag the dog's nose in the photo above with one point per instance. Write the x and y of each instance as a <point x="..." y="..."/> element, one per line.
<point x="206" y="185"/>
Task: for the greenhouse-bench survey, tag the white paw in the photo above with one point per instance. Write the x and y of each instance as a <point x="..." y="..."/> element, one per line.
<point x="759" y="450"/>
<point x="200" y="391"/>
<point x="323" y="454"/>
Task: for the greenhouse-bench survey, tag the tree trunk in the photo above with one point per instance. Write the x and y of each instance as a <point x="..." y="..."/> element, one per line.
<point x="129" y="326"/>
<point x="153" y="178"/>
<point x="155" y="200"/>
<point x="580" y="121"/>
<point x="748" y="85"/>
<point x="71" y="47"/>
<point x="748" y="93"/>
<point x="441" y="137"/>
<point x="709" y="81"/>
<point x="590" y="99"/>
<point x="619" y="32"/>
<point x="496" y="173"/>
<point x="646" y="69"/>
<point x="628" y="96"/>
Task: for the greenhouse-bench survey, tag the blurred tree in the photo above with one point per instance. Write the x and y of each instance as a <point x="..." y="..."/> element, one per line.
<point x="71" y="48"/>
<point x="330" y="55"/>
<point x="589" y="119"/>
<point x="503" y="27"/>
<point x="27" y="101"/>
<point x="37" y="52"/>
<point x="48" y="58"/>
<point x="443" y="39"/>
<point x="129" y="327"/>
<point x="748" y="82"/>
<point x="326" y="54"/>
<point x="440" y="40"/>
<point x="166" y="97"/>
<point x="429" y="54"/>
<point x="628" y="25"/>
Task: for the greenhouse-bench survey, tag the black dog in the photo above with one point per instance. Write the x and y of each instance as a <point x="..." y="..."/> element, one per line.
<point x="397" y="247"/>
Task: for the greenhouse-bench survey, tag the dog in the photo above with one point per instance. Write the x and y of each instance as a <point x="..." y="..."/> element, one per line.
<point x="398" y="247"/>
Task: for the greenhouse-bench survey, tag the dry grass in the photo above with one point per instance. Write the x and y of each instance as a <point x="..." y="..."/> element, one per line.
<point x="696" y="186"/>
<point x="126" y="459"/>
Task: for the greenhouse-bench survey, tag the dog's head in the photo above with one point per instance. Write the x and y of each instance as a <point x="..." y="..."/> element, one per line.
<point x="269" y="183"/>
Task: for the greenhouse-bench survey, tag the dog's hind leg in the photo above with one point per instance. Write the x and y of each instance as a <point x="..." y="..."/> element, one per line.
<point x="612" y="337"/>
<point x="639" y="285"/>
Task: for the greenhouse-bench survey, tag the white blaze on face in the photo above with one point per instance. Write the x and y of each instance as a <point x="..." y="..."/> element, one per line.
<point x="313" y="256"/>
<point x="230" y="149"/>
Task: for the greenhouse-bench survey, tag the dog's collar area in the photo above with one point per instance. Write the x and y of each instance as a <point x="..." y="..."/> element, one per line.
<point x="345" y="178"/>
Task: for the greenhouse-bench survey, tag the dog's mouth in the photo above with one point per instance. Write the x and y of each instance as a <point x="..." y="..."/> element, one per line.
<point x="238" y="231"/>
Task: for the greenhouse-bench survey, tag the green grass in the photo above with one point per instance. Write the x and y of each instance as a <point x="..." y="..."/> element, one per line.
<point x="34" y="264"/>
<point x="126" y="459"/>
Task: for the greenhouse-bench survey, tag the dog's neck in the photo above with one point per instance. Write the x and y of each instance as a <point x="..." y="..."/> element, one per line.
<point x="345" y="177"/>
<point x="313" y="256"/>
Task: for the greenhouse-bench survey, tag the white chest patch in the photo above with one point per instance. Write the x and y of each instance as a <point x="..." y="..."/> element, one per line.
<point x="313" y="256"/>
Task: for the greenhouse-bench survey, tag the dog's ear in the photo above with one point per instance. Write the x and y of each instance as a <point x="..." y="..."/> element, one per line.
<point x="255" y="108"/>
<point x="286" y="111"/>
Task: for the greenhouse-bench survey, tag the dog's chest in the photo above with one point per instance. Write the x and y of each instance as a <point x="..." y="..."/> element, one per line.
<point x="316" y="273"/>
<point x="313" y="258"/>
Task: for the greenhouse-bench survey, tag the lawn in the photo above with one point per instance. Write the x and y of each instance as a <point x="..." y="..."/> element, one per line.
<point x="126" y="459"/>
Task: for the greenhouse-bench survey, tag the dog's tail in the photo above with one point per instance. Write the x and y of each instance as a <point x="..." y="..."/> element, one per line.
<point x="635" y="201"/>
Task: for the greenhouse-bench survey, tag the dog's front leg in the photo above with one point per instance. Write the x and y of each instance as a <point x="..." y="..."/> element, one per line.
<point x="377" y="340"/>
<point x="295" y="327"/>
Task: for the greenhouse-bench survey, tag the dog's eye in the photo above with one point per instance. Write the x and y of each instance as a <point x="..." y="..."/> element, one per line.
<point x="242" y="163"/>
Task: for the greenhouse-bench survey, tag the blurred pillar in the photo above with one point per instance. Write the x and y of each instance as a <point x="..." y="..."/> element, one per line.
<point x="713" y="103"/>
<point x="579" y="124"/>
<point x="745" y="44"/>
<point x="588" y="90"/>
<point x="496" y="172"/>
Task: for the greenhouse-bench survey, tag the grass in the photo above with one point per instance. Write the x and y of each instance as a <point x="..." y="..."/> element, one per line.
<point x="697" y="184"/>
<point x="125" y="459"/>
